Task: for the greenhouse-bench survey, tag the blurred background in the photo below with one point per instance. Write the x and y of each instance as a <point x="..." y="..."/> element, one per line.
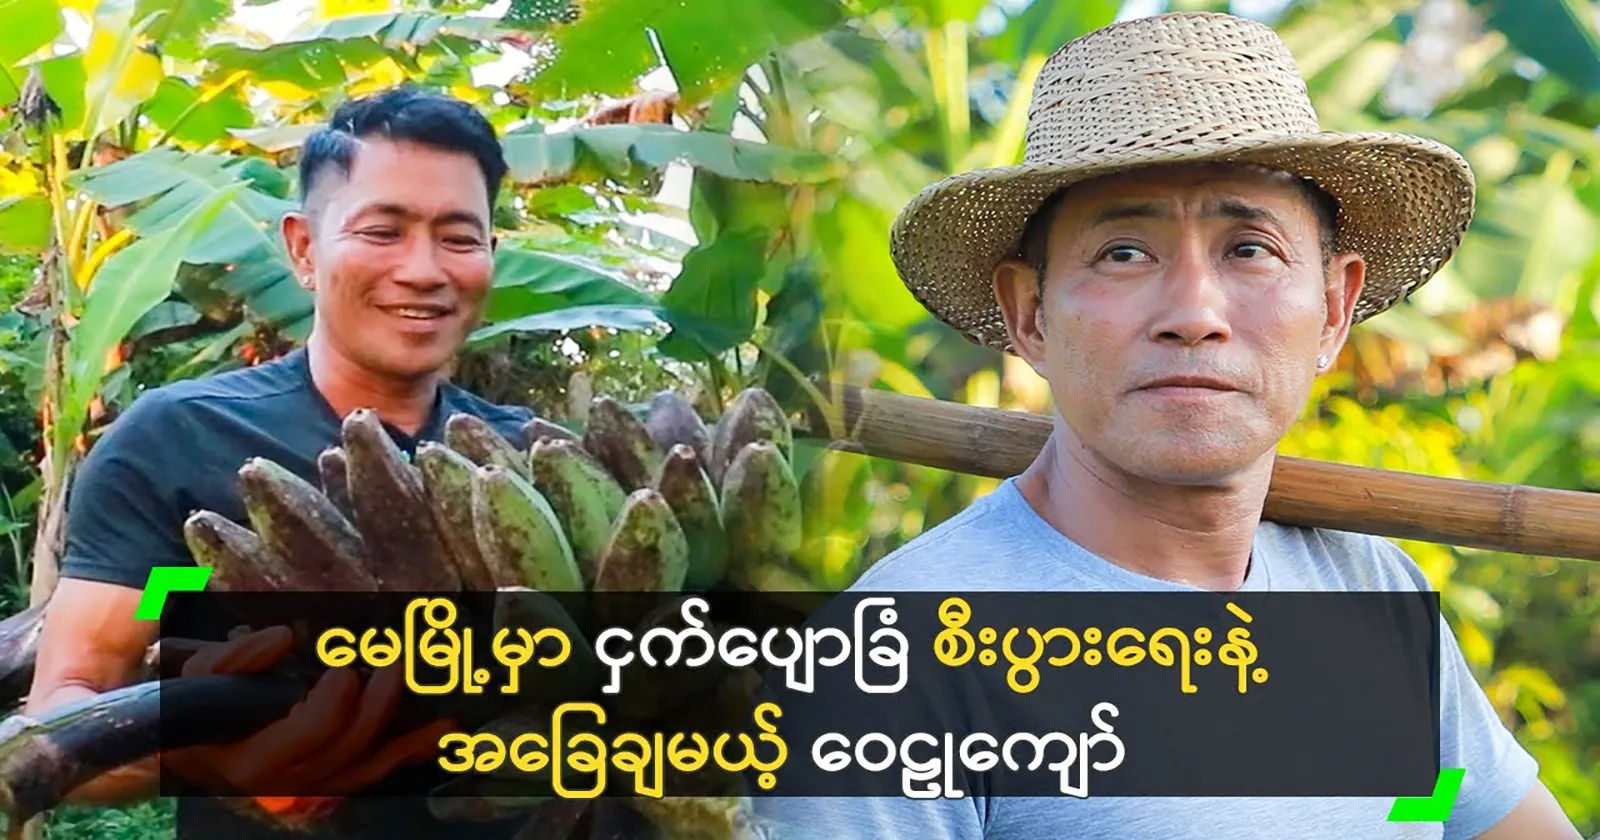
<point x="702" y="195"/>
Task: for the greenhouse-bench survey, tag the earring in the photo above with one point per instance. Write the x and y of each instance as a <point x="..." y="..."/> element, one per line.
<point x="1322" y="362"/>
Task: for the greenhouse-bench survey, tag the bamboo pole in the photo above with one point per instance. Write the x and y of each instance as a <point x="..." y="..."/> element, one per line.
<point x="999" y="443"/>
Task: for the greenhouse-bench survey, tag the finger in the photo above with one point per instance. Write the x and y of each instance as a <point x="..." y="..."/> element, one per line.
<point x="417" y="745"/>
<point x="246" y="653"/>
<point x="372" y="714"/>
<point x="313" y="722"/>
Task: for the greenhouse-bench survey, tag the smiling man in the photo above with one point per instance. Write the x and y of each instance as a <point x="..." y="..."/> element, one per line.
<point x="394" y="240"/>
<point x="1182" y="251"/>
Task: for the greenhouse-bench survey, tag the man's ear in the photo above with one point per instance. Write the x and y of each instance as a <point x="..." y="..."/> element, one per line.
<point x="1017" y="289"/>
<point x="297" y="238"/>
<point x="1347" y="275"/>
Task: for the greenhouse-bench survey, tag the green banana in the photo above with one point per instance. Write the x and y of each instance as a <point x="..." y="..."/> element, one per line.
<point x="647" y="551"/>
<point x="447" y="479"/>
<point x="673" y="421"/>
<point x="754" y="415"/>
<point x="761" y="506"/>
<point x="539" y="429"/>
<point x="516" y="528"/>
<point x="473" y="437"/>
<point x="621" y="442"/>
<point x="334" y="472"/>
<point x="238" y="560"/>
<point x="391" y="510"/>
<point x="318" y="547"/>
<point x="584" y="496"/>
<point x="688" y="490"/>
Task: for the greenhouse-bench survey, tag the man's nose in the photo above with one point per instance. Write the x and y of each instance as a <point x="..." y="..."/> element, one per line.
<point x="1192" y="305"/>
<point x="421" y="266"/>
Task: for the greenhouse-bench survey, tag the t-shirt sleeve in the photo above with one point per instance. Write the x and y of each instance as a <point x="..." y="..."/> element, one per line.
<point x="1471" y="735"/>
<point x="123" y="518"/>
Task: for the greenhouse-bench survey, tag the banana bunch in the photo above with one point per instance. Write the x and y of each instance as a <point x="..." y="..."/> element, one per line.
<point x="663" y="502"/>
<point x="660" y="501"/>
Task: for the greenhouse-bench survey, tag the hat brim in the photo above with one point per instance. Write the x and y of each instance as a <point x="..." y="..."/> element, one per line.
<point x="1404" y="204"/>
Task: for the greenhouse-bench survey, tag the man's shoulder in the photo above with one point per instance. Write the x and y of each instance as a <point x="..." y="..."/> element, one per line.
<point x="942" y="557"/>
<point x="506" y="418"/>
<point x="1327" y="559"/>
<point x="162" y="409"/>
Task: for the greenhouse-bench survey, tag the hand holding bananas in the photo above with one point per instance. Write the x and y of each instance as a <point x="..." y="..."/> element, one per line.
<point x="330" y="740"/>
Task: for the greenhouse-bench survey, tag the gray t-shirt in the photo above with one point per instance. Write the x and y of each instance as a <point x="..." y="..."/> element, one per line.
<point x="1001" y="544"/>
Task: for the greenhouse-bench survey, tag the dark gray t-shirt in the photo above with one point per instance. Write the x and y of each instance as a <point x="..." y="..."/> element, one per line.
<point x="1001" y="544"/>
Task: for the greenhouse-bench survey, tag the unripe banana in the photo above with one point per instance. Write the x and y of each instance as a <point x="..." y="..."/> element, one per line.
<point x="447" y="478"/>
<point x="334" y="472"/>
<point x="318" y="547"/>
<point x="754" y="415"/>
<point x="584" y="496"/>
<point x="761" y="506"/>
<point x="516" y="528"/>
<point x="392" y="512"/>
<point x="673" y="421"/>
<point x="622" y="443"/>
<point x="539" y="429"/>
<point x="647" y="551"/>
<point x="238" y="560"/>
<point x="473" y="437"/>
<point x="688" y="490"/>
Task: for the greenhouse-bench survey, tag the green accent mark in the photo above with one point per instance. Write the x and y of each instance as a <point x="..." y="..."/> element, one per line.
<point x="164" y="579"/>
<point x="1435" y="808"/>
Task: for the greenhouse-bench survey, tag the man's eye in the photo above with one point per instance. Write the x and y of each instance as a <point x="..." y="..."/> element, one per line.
<point x="380" y="233"/>
<point x="1250" y="250"/>
<point x="1124" y="254"/>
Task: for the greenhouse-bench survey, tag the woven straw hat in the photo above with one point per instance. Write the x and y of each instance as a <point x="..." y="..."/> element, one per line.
<point x="1175" y="88"/>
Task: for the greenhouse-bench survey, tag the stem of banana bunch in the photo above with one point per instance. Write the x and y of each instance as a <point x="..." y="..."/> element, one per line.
<point x="60" y="268"/>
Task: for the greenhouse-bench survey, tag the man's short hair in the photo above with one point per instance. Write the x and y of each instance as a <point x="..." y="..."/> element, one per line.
<point x="403" y="113"/>
<point x="1035" y="245"/>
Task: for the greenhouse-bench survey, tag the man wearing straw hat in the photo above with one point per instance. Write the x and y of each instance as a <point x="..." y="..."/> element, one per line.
<point x="1181" y="253"/>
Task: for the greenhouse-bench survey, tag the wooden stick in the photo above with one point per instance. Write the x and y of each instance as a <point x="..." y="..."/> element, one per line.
<point x="1000" y="443"/>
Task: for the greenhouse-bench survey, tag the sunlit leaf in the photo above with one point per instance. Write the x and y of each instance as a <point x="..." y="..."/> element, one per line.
<point x="24" y="223"/>
<point x="180" y="28"/>
<point x="121" y="73"/>
<point x="202" y="122"/>
<point x="855" y="238"/>
<point x="29" y="25"/>
<point x="616" y="151"/>
<point x="276" y="138"/>
<point x="129" y="284"/>
<point x="1559" y="34"/>
<point x="528" y="283"/>
<point x="345" y="8"/>
<point x="576" y="317"/>
<point x="707" y="45"/>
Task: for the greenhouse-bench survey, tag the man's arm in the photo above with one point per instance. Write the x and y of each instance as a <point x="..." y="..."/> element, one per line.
<point x="123" y="518"/>
<point x="90" y="644"/>
<point x="1537" y="817"/>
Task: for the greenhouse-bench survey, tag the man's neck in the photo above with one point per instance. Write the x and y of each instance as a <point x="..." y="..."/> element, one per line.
<point x="346" y="386"/>
<point x="1198" y="536"/>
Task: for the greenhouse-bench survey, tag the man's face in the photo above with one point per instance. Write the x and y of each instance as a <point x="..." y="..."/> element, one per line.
<point x="1182" y="314"/>
<point x="401" y="256"/>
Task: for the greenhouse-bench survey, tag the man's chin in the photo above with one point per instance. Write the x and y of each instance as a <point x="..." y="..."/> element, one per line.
<point x="1188" y="461"/>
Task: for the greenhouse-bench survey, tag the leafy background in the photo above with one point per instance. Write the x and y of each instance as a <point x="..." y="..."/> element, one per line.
<point x="701" y="199"/>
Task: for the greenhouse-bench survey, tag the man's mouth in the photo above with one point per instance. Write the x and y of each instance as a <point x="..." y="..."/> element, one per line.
<point x="419" y="313"/>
